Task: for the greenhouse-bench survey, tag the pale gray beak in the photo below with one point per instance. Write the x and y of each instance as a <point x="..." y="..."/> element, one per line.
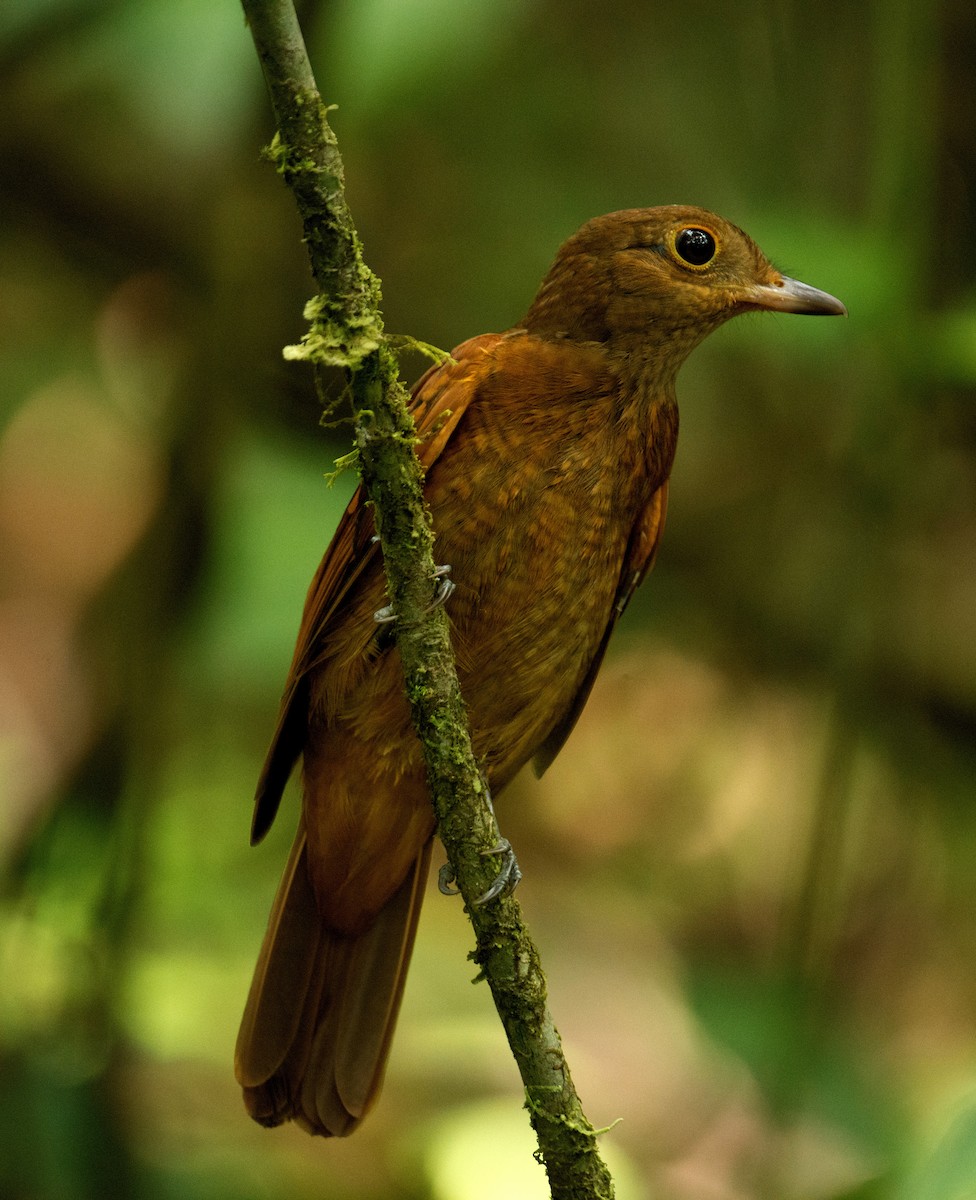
<point x="792" y="296"/>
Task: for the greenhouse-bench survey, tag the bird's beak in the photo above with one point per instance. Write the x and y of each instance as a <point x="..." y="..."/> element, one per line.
<point x="792" y="296"/>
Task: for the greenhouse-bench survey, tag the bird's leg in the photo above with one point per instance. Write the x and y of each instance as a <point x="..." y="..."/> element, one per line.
<point x="445" y="586"/>
<point x="504" y="883"/>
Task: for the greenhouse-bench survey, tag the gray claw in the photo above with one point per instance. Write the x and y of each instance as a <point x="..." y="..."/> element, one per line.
<point x="507" y="879"/>
<point x="504" y="883"/>
<point x="445" y="586"/>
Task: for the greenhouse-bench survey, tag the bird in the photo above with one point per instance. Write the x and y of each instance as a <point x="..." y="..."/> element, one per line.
<point x="547" y="451"/>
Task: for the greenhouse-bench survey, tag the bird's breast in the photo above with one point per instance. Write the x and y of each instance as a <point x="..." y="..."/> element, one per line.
<point x="536" y="526"/>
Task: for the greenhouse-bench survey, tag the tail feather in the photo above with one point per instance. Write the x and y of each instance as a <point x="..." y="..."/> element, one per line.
<point x="322" y="1007"/>
<point x="272" y="1015"/>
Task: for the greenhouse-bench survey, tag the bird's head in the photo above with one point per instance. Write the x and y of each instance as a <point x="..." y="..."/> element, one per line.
<point x="662" y="277"/>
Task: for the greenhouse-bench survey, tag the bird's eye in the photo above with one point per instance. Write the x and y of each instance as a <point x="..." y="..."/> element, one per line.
<point x="695" y="246"/>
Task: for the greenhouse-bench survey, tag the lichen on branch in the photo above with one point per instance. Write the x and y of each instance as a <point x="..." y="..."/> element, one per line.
<point x="338" y="335"/>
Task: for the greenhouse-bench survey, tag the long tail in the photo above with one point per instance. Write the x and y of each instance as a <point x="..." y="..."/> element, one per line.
<point x="322" y="1007"/>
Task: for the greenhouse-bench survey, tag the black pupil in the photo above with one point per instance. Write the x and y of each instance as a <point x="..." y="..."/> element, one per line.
<point x="696" y="246"/>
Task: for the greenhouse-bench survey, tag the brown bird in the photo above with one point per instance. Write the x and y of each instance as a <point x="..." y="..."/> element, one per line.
<point x="547" y="452"/>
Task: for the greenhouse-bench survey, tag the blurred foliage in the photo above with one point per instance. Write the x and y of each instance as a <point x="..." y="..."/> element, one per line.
<point x="751" y="869"/>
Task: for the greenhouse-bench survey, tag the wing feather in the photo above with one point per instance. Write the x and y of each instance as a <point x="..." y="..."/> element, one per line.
<point x="438" y="402"/>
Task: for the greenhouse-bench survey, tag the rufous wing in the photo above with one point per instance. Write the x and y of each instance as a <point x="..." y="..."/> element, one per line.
<point x="438" y="402"/>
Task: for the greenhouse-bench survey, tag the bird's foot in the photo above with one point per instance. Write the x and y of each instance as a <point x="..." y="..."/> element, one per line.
<point x="445" y="586"/>
<point x="504" y="883"/>
<point x="445" y="881"/>
<point x="509" y="874"/>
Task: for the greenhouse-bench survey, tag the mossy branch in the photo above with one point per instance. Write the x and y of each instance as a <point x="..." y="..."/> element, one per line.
<point x="346" y="330"/>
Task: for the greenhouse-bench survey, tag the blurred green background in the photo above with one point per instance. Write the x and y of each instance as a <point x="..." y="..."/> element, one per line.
<point x="751" y="869"/>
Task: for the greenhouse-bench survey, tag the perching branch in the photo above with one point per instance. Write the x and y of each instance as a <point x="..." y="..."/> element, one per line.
<point x="346" y="330"/>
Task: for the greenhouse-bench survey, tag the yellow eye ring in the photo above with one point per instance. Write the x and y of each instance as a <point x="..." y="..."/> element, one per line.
<point x="693" y="247"/>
